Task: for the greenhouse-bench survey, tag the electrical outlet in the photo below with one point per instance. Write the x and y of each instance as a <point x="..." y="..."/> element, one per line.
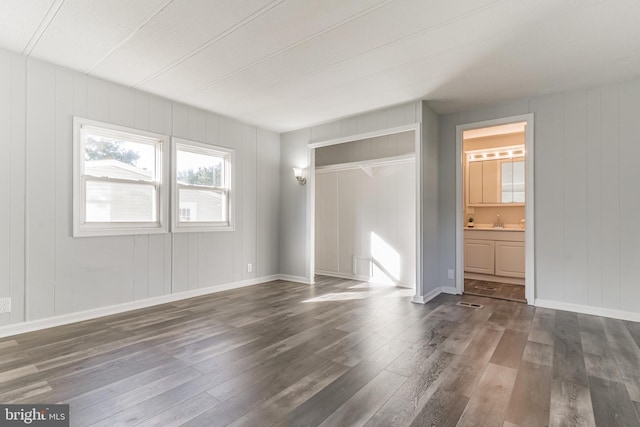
<point x="249" y="268"/>
<point x="450" y="274"/>
<point x="5" y="305"/>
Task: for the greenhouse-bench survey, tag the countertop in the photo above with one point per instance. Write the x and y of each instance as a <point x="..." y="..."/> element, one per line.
<point x="494" y="229"/>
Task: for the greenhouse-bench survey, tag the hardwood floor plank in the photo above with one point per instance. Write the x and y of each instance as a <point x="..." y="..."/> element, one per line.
<point x="570" y="405"/>
<point x="180" y="414"/>
<point x="535" y="352"/>
<point x="542" y="326"/>
<point x="626" y="353"/>
<point x="509" y="350"/>
<point x="410" y="398"/>
<point x="531" y="395"/>
<point x="361" y="406"/>
<point x="321" y="405"/>
<point x="274" y="411"/>
<point x="121" y="402"/>
<point x="443" y="409"/>
<point x="488" y="404"/>
<point x="568" y="358"/>
<point x="611" y="404"/>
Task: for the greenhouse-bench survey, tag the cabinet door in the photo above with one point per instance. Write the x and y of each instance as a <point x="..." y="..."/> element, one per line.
<point x="509" y="259"/>
<point x="478" y="256"/>
<point x="490" y="182"/>
<point x="475" y="183"/>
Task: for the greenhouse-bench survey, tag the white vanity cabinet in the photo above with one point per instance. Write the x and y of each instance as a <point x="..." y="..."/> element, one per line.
<point x="495" y="253"/>
<point x="479" y="256"/>
<point x="509" y="258"/>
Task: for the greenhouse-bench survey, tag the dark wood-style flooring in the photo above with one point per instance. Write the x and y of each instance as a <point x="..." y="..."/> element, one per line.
<point x="498" y="290"/>
<point x="340" y="353"/>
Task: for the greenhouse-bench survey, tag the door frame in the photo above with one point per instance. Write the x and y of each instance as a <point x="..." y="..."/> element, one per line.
<point x="416" y="128"/>
<point x="529" y="234"/>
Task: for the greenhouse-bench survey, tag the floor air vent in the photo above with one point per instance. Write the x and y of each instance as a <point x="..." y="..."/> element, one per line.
<point x="470" y="304"/>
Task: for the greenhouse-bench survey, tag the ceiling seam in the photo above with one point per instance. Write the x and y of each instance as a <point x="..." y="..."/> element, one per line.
<point x="215" y="39"/>
<point x="293" y="45"/>
<point x="44" y="24"/>
<point x="131" y="35"/>
<point x="414" y="34"/>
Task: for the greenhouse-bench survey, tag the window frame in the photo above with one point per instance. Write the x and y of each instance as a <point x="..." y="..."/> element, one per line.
<point x="182" y="144"/>
<point x="81" y="228"/>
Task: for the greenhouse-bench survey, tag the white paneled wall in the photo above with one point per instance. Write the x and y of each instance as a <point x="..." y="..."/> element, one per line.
<point x="12" y="184"/>
<point x="586" y="194"/>
<point x="62" y="275"/>
<point x="354" y="209"/>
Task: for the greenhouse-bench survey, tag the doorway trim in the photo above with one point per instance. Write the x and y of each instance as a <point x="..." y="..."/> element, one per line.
<point x="311" y="194"/>
<point x="529" y="235"/>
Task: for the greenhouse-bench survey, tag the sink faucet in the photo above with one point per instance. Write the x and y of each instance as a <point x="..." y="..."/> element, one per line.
<point x="498" y="224"/>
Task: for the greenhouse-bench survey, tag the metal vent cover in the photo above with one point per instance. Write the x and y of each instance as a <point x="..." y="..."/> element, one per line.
<point x="470" y="304"/>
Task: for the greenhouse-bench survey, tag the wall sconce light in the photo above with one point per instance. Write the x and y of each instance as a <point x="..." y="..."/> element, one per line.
<point x="298" y="173"/>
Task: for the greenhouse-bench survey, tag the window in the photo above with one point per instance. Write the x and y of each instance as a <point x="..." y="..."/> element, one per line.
<point x="118" y="185"/>
<point x="202" y="187"/>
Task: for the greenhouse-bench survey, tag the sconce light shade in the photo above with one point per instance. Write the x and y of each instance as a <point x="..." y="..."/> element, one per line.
<point x="298" y="173"/>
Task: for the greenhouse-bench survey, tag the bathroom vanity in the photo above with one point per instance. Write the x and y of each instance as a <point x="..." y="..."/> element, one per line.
<point x="494" y="254"/>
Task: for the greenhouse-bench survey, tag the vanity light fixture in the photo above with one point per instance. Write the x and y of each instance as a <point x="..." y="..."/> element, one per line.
<point x="496" y="153"/>
<point x="298" y="173"/>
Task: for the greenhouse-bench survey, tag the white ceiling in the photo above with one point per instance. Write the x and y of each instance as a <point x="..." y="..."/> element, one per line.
<point x="287" y="64"/>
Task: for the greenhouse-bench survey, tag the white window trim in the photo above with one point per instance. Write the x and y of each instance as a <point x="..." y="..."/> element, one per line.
<point x="83" y="229"/>
<point x="202" y="226"/>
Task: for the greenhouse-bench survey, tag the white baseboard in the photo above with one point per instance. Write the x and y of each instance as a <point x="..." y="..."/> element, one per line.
<point x="342" y="275"/>
<point x="585" y="309"/>
<point x="64" y="319"/>
<point x="423" y="299"/>
<point x="449" y="290"/>
<point x="295" y="279"/>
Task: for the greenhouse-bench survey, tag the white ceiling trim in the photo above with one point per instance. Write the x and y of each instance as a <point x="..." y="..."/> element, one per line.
<point x="217" y="38"/>
<point x="291" y="46"/>
<point x="130" y="36"/>
<point x="44" y="24"/>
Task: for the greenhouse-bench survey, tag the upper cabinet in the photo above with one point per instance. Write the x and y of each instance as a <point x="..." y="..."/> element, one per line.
<point x="495" y="178"/>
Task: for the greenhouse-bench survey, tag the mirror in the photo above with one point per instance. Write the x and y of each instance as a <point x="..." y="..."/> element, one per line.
<point x="495" y="182"/>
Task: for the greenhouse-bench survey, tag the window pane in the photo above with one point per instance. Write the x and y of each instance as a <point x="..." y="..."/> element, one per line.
<point x="117" y="158"/>
<point x="202" y="206"/>
<point x="120" y="202"/>
<point x="199" y="169"/>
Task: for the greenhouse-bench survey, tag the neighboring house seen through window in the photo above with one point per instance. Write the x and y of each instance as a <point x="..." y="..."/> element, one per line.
<point x="118" y="185"/>
<point x="202" y="186"/>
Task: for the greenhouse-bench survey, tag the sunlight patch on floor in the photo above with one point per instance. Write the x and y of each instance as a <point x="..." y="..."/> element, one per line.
<point x="341" y="296"/>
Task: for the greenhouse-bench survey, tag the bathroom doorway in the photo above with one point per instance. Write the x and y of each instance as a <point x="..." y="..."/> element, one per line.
<point x="494" y="221"/>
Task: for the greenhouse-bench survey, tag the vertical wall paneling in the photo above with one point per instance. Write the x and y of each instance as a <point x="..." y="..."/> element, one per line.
<point x="575" y="195"/>
<point x="63" y="278"/>
<point x="610" y="210"/>
<point x="550" y="254"/>
<point x="594" y="197"/>
<point x="327" y="226"/>
<point x="268" y="184"/>
<point x="249" y="198"/>
<point x="12" y="184"/>
<point x="629" y="201"/>
<point x="5" y="182"/>
<point x="17" y="136"/>
<point x="40" y="190"/>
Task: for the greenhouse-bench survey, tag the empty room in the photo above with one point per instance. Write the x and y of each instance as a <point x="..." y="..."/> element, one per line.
<point x="319" y="212"/>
